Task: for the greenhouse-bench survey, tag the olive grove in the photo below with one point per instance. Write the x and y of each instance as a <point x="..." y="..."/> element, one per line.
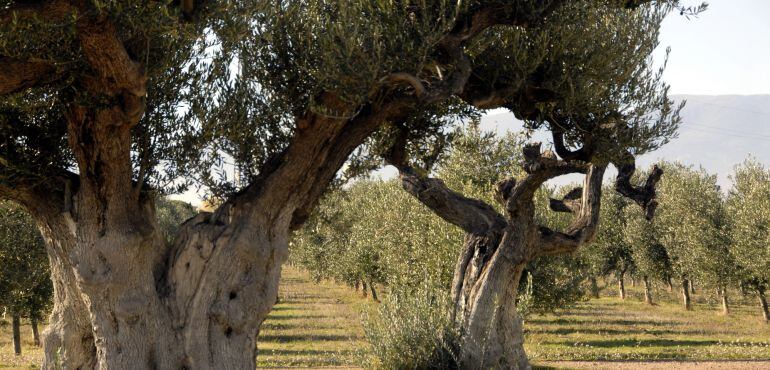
<point x="106" y="104"/>
<point x="25" y="286"/>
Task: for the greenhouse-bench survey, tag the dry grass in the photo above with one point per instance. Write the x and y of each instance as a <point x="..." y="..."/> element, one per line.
<point x="313" y="325"/>
<point x="31" y="355"/>
<point x="610" y="329"/>
<point x="319" y="325"/>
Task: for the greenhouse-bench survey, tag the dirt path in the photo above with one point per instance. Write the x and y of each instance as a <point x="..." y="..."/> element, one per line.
<point x="659" y="365"/>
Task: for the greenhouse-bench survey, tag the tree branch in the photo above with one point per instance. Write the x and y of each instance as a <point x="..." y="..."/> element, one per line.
<point x="643" y="195"/>
<point x="583" y="228"/>
<point x="541" y="167"/>
<point x="47" y="10"/>
<point x="472" y="215"/>
<point x="570" y="203"/>
<point x="17" y="75"/>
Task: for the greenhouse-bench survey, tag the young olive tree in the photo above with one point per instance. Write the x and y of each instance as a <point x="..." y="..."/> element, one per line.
<point x="610" y="253"/>
<point x="748" y="207"/>
<point x="650" y="256"/>
<point x="693" y="229"/>
<point x="25" y="285"/>
<point x="103" y="104"/>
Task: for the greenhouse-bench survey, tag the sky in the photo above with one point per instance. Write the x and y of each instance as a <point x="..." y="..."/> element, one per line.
<point x="724" y="51"/>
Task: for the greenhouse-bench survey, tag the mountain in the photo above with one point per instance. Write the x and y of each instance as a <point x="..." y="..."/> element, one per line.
<point x="717" y="132"/>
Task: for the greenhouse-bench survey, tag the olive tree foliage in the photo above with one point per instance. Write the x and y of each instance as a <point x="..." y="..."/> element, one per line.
<point x="610" y="253"/>
<point x="105" y="104"/>
<point x="171" y="214"/>
<point x="747" y="207"/>
<point x="25" y="286"/>
<point x="693" y="227"/>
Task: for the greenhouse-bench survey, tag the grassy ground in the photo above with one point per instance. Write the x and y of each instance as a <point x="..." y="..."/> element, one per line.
<point x="30" y="354"/>
<point x="313" y="325"/>
<point x="318" y="325"/>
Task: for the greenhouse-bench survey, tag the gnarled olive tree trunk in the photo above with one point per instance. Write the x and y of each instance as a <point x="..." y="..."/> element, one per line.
<point x="497" y="249"/>
<point x="647" y="290"/>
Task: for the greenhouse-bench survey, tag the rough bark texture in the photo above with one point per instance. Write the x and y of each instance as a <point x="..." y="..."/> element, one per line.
<point x="763" y="304"/>
<point x="16" y="324"/>
<point x="686" y="301"/>
<point x="497" y="248"/>
<point x="647" y="290"/>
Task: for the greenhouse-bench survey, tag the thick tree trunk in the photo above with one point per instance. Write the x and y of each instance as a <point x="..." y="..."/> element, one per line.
<point x="35" y="332"/>
<point x="647" y="290"/>
<point x="364" y="290"/>
<point x="485" y="288"/>
<point x="16" y="323"/>
<point x="686" y="302"/>
<point x="723" y="296"/>
<point x="670" y="285"/>
<point x="763" y="304"/>
<point x="594" y="287"/>
<point x="621" y="286"/>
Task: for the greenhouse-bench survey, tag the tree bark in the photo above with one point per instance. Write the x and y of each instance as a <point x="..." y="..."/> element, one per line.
<point x="16" y="323"/>
<point x="692" y="287"/>
<point x="594" y="287"/>
<point x="374" y="292"/>
<point x="670" y="285"/>
<point x="686" y="302"/>
<point x="647" y="291"/>
<point x="497" y="248"/>
<point x="763" y="304"/>
<point x="723" y="296"/>
<point x="621" y="286"/>
<point x="35" y="333"/>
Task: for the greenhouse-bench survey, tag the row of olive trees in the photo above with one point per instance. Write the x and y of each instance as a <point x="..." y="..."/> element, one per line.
<point x="699" y="234"/>
<point x="25" y="283"/>
<point x="372" y="233"/>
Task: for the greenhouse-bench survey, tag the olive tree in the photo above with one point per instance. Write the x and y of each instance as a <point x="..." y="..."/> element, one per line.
<point x="25" y="286"/>
<point x="747" y="205"/>
<point x="650" y="255"/>
<point x="103" y="104"/>
<point x="693" y="225"/>
<point x="610" y="253"/>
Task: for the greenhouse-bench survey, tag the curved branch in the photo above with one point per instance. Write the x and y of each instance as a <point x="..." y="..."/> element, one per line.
<point x="541" y="167"/>
<point x="583" y="154"/>
<point x="472" y="215"/>
<point x="570" y="203"/>
<point x="583" y="228"/>
<point x="643" y="195"/>
<point x="17" y="75"/>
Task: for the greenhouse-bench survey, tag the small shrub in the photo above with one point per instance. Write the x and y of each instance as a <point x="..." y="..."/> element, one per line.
<point x="412" y="330"/>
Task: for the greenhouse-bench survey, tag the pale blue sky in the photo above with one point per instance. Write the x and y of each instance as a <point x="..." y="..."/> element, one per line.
<point x="725" y="50"/>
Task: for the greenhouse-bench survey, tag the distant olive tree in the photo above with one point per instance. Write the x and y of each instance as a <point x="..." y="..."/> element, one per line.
<point x="693" y="229"/>
<point x="748" y="206"/>
<point x="25" y="285"/>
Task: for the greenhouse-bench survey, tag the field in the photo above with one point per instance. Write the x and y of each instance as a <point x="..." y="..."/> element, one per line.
<point x="318" y="325"/>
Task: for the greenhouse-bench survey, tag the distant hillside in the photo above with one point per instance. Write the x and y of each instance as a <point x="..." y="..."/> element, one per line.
<point x="717" y="132"/>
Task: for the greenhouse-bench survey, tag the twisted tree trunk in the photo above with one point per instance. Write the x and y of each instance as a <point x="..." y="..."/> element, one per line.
<point x="621" y="285"/>
<point x="497" y="248"/>
<point x="647" y="290"/>
<point x="723" y="296"/>
<point x="686" y="301"/>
